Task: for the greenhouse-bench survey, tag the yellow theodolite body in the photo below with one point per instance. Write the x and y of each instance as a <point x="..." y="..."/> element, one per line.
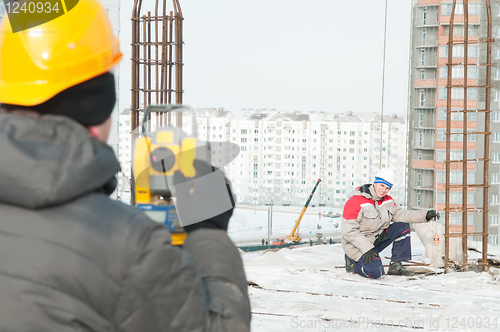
<point x="155" y="159"/>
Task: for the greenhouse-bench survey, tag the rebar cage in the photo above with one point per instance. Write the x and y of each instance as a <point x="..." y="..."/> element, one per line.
<point x="157" y="40"/>
<point x="463" y="129"/>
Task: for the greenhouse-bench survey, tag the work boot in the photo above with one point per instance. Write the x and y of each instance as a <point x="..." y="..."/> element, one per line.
<point x="397" y="268"/>
<point x="349" y="266"/>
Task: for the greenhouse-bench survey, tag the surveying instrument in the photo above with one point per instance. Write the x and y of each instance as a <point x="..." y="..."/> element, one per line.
<point x="159" y="151"/>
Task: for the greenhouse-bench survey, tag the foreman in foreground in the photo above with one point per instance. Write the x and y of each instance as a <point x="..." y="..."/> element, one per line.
<point x="72" y="258"/>
<point x="371" y="221"/>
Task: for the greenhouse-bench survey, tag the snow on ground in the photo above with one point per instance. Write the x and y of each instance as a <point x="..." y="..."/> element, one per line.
<point x="307" y="289"/>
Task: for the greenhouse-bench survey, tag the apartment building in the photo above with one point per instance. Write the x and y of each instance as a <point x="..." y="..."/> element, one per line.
<point x="282" y="155"/>
<point x="124" y="154"/>
<point x="427" y="119"/>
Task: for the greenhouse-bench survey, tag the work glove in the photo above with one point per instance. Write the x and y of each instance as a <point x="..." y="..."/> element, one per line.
<point x="381" y="238"/>
<point x="432" y="214"/>
<point x="370" y="256"/>
<point x="199" y="198"/>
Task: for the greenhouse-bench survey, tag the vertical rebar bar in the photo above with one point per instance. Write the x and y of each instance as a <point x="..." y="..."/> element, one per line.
<point x="148" y="60"/>
<point x="464" y="137"/>
<point x="135" y="66"/>
<point x="178" y="57"/>
<point x="486" y="161"/>
<point x="170" y="60"/>
<point x="448" y="135"/>
<point x="157" y="63"/>
<point x="163" y="78"/>
<point x="146" y="64"/>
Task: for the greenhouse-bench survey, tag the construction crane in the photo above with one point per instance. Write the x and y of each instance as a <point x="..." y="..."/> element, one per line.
<point x="294" y="235"/>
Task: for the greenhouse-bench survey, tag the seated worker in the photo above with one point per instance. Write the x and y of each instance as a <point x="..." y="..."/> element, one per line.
<point x="72" y="258"/>
<point x="371" y="221"/>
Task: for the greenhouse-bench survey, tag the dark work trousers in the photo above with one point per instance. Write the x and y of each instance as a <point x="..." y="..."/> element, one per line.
<point x="399" y="235"/>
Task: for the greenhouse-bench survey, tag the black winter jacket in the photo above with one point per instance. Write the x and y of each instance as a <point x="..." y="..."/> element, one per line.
<point x="72" y="259"/>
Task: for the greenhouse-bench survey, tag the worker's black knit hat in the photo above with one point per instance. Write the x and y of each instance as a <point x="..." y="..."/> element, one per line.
<point x="89" y="103"/>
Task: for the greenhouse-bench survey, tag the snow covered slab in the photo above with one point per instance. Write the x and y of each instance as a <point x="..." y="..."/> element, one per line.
<point x="304" y="289"/>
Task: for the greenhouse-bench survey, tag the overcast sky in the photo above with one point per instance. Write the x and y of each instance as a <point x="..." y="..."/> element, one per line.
<point x="288" y="55"/>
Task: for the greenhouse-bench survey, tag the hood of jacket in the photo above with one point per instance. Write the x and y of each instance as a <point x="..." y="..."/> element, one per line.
<point x="366" y="191"/>
<point x="47" y="160"/>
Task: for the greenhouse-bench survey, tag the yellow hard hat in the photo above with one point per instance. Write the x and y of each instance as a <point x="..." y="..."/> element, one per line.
<point x="39" y="62"/>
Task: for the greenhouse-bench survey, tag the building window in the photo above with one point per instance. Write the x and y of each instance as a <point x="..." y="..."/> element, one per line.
<point x="455" y="197"/>
<point x="458" y="72"/>
<point x="474" y="8"/>
<point x="443" y="72"/>
<point x="422" y="74"/>
<point x="446" y="9"/>
<point x="495" y="178"/>
<point x="442" y="93"/>
<point x="495" y="137"/>
<point x="495" y="199"/>
<point x="440" y="135"/>
<point x="493" y="240"/>
<point x="422" y="57"/>
<point x="472" y="51"/>
<point x="496" y="116"/>
<point x="497" y="74"/>
<point x="424" y="32"/>
<point x="495" y="157"/>
<point x="441" y="114"/>
<point x="424" y="16"/>
<point x="422" y="98"/>
<point x="494" y="219"/>
<point x="458" y="51"/>
<point x="443" y="51"/>
<point x="458" y="94"/>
